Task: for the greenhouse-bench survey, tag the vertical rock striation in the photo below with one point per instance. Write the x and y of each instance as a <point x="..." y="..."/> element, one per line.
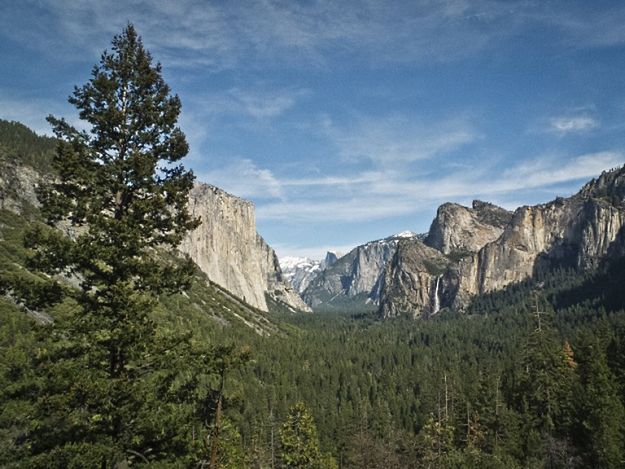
<point x="412" y="281"/>
<point x="227" y="248"/>
<point x="486" y="248"/>
<point x="355" y="280"/>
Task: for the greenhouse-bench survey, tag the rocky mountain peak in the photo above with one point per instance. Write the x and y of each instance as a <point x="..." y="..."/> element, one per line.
<point x="330" y="259"/>
<point x="457" y="228"/>
<point x="609" y="184"/>
<point x="486" y="248"/>
<point x="491" y="214"/>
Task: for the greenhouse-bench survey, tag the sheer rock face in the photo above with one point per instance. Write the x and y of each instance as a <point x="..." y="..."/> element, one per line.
<point x="413" y="281"/>
<point x="227" y="248"/>
<point x="460" y="229"/>
<point x="567" y="232"/>
<point x="355" y="278"/>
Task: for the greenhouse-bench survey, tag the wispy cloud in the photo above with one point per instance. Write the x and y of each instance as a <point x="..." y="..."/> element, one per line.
<point x="552" y="171"/>
<point x="221" y="35"/>
<point x="266" y="103"/>
<point x="313" y="252"/>
<point x="393" y="140"/>
<point x="363" y="208"/>
<point x="244" y="179"/>
<point x="584" y="25"/>
<point x="378" y="195"/>
<point x="262" y="102"/>
<point x="572" y="124"/>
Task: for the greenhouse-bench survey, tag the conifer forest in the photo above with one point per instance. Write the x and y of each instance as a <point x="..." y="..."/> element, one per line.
<point x="117" y="350"/>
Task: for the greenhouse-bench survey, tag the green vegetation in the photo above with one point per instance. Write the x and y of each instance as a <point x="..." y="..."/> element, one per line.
<point x="108" y="385"/>
<point x="19" y="144"/>
<point x="458" y="255"/>
<point x="343" y="304"/>
<point x="147" y="364"/>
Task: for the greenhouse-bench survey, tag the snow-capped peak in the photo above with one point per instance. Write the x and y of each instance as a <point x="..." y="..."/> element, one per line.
<point x="291" y="262"/>
<point x="405" y="234"/>
<point x="299" y="271"/>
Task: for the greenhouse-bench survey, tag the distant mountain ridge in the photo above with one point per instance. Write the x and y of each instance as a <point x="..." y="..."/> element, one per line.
<point x="471" y="251"/>
<point x="300" y="271"/>
<point x="467" y="251"/>
<point x="354" y="281"/>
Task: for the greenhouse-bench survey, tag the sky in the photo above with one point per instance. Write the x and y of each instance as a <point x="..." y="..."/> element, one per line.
<point x="346" y="122"/>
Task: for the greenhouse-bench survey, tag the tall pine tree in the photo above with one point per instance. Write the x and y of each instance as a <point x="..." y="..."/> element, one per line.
<point x="121" y="194"/>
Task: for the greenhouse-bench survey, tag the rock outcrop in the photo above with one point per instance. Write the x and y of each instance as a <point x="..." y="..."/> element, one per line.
<point x="412" y="281"/>
<point x="460" y="229"/>
<point x="17" y="186"/>
<point x="416" y="282"/>
<point x="279" y="288"/>
<point x="489" y="250"/>
<point x="300" y="271"/>
<point x="227" y="248"/>
<point x="355" y="280"/>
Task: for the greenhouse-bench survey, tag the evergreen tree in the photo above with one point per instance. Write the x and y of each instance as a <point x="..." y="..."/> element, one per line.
<point x="601" y="417"/>
<point x="121" y="194"/>
<point x="435" y="444"/>
<point x="544" y="391"/>
<point x="298" y="438"/>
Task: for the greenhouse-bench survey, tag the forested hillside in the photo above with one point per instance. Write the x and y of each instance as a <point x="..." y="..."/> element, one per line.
<point x="116" y="351"/>
<point x="527" y="377"/>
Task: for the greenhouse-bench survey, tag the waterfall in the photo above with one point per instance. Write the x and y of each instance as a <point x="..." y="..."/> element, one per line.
<point x="437" y="303"/>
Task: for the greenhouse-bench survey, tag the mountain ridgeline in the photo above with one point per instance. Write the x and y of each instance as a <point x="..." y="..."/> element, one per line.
<point x="474" y="250"/>
<point x="468" y="251"/>
<point x="225" y="247"/>
<point x="354" y="281"/>
<point x="577" y="232"/>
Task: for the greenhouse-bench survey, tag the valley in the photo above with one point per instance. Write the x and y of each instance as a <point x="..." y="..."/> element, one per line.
<point x="146" y="319"/>
<point x="458" y="388"/>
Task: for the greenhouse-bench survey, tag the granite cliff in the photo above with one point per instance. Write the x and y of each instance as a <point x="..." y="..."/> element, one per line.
<point x="227" y="248"/>
<point x="484" y="248"/>
<point x="354" y="281"/>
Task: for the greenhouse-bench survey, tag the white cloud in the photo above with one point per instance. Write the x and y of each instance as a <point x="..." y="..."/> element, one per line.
<point x="337" y="209"/>
<point x="223" y="35"/>
<point x="263" y="106"/>
<point x="265" y="103"/>
<point x="572" y="124"/>
<point x="380" y="195"/>
<point x="190" y="33"/>
<point x="584" y="25"/>
<point x="552" y="171"/>
<point x="244" y="178"/>
<point x="396" y="140"/>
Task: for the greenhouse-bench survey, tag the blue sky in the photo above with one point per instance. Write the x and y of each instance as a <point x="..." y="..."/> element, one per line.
<point x="350" y="121"/>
